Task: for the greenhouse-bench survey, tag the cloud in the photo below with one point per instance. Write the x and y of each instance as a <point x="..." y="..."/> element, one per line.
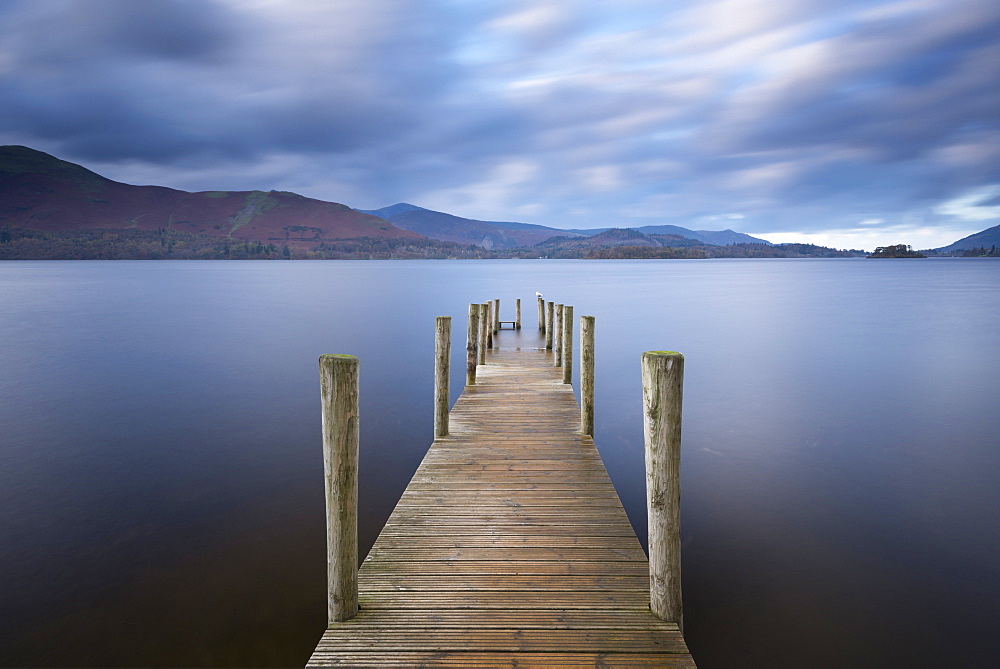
<point x="974" y="205"/>
<point x="810" y="115"/>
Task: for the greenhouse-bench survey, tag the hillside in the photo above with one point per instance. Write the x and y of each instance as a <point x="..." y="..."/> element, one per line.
<point x="985" y="239"/>
<point x="715" y="237"/>
<point x="448" y="227"/>
<point x="43" y="193"/>
<point x="614" y="237"/>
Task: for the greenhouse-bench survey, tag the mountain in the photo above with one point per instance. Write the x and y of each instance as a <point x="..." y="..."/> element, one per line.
<point x="447" y="227"/>
<point x="987" y="238"/>
<point x="614" y="237"/>
<point x="716" y="237"/>
<point x="43" y="193"/>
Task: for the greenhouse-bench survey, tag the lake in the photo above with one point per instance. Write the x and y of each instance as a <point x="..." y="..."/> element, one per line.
<point x="161" y="488"/>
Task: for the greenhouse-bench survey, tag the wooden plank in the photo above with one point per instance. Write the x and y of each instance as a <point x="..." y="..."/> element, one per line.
<point x="511" y="619"/>
<point x="509" y="547"/>
<point x="501" y="659"/>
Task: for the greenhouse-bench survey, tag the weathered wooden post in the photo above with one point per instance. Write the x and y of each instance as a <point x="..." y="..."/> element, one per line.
<point x="496" y="315"/>
<point x="471" y="348"/>
<point x="338" y="376"/>
<point x="541" y="315"/>
<point x="517" y="314"/>
<point x="549" y="309"/>
<point x="587" y="375"/>
<point x="483" y="335"/>
<point x="662" y="386"/>
<point x="567" y="344"/>
<point x="442" y="369"/>
<point x="489" y="323"/>
<point x="557" y="335"/>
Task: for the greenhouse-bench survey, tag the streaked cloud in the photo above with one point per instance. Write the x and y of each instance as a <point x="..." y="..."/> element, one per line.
<point x="808" y="117"/>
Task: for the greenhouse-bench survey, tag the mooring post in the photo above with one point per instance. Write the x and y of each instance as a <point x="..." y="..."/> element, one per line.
<point x="442" y="369"/>
<point x="338" y="376"/>
<point x="496" y="315"/>
<point x="517" y="314"/>
<point x="483" y="336"/>
<point x="557" y="332"/>
<point x="541" y="315"/>
<point x="662" y="386"/>
<point x="471" y="348"/>
<point x="567" y="344"/>
<point x="549" y="311"/>
<point x="488" y="316"/>
<point x="587" y="375"/>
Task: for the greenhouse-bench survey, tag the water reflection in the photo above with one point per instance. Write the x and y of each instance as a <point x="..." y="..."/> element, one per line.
<point x="161" y="495"/>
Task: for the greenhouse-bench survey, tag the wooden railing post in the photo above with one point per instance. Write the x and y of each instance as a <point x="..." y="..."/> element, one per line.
<point x="483" y="336"/>
<point x="662" y="386"/>
<point x="587" y="375"/>
<point x="567" y="344"/>
<point x="541" y="315"/>
<point x="496" y="315"/>
<point x="339" y="393"/>
<point x="557" y="332"/>
<point x="471" y="346"/>
<point x="517" y="314"/>
<point x="442" y="370"/>
<point x="549" y="315"/>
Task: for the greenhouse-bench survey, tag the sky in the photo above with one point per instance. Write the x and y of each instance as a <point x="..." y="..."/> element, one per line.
<point x="845" y="123"/>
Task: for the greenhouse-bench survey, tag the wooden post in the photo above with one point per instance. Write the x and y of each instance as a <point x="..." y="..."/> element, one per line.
<point x="442" y="369"/>
<point x="541" y="315"/>
<point x="338" y="375"/>
<point x="496" y="315"/>
<point x="483" y="336"/>
<point x="662" y="385"/>
<point x="549" y="309"/>
<point x="587" y="375"/>
<point x="489" y="323"/>
<point x="471" y="348"/>
<point x="567" y="344"/>
<point x="517" y="314"/>
<point x="557" y="335"/>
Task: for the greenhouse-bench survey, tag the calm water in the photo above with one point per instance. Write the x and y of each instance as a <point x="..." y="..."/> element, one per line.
<point x="161" y="481"/>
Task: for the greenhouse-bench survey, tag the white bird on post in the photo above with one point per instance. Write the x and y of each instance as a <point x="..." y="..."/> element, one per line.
<point x="537" y="294"/>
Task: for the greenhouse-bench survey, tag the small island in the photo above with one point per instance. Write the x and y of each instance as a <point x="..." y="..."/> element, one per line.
<point x="896" y="251"/>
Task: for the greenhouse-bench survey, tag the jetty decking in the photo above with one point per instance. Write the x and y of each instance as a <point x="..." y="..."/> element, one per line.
<point x="509" y="547"/>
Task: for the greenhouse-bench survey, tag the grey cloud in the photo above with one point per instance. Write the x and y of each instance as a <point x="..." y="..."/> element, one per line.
<point x="615" y="109"/>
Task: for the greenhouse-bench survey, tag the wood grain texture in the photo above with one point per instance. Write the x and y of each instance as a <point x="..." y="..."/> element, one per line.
<point x="567" y="344"/>
<point x="442" y="374"/>
<point x="509" y="547"/>
<point x="483" y="336"/>
<point x="339" y="395"/>
<point x="472" y="346"/>
<point x="557" y="335"/>
<point x="587" y="375"/>
<point x="549" y="312"/>
<point x="662" y="384"/>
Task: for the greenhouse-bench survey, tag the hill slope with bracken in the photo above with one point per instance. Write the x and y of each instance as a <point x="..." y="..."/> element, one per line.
<point x="41" y="192"/>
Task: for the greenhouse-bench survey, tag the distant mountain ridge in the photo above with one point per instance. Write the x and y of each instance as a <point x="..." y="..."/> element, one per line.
<point x="715" y="237"/>
<point x="41" y="192"/>
<point x="506" y="234"/>
<point x="987" y="238"/>
<point x="451" y="228"/>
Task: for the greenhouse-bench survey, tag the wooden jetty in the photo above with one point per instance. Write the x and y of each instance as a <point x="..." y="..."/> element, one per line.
<point x="509" y="546"/>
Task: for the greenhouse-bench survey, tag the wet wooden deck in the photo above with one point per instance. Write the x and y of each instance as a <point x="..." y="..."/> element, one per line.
<point x="509" y="547"/>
